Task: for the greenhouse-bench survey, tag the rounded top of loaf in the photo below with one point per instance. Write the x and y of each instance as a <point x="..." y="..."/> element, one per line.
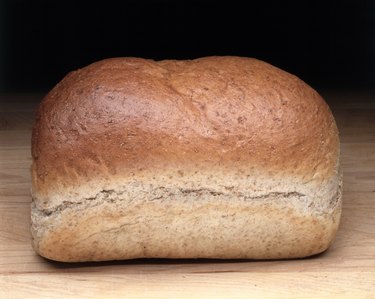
<point x="132" y="117"/>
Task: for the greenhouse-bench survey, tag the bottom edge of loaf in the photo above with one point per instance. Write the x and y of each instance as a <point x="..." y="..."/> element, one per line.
<point x="188" y="226"/>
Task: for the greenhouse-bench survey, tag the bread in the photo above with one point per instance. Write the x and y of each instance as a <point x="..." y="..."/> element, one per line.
<point x="217" y="157"/>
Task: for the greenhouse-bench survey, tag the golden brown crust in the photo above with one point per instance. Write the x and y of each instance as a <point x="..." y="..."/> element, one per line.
<point x="235" y="126"/>
<point x="127" y="114"/>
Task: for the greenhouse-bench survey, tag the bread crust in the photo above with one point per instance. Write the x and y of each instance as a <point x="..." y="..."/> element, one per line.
<point x="125" y="136"/>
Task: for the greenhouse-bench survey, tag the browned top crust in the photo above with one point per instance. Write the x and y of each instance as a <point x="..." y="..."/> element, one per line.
<point x="135" y="117"/>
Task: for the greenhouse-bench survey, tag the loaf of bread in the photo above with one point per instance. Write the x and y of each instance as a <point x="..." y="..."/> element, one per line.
<point x="217" y="157"/>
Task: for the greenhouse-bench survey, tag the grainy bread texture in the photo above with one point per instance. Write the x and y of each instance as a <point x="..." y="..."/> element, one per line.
<point x="218" y="157"/>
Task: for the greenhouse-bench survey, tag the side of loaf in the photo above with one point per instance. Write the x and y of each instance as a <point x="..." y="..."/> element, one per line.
<point x="217" y="157"/>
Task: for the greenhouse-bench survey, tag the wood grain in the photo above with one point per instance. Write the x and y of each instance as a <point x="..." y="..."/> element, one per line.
<point x="346" y="270"/>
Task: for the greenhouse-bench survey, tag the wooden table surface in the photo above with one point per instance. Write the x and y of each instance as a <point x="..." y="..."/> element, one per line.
<point x="347" y="269"/>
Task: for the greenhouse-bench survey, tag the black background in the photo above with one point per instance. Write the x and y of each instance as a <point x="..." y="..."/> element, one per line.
<point x="329" y="44"/>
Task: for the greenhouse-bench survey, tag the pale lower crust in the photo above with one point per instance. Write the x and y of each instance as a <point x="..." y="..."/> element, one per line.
<point x="196" y="224"/>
